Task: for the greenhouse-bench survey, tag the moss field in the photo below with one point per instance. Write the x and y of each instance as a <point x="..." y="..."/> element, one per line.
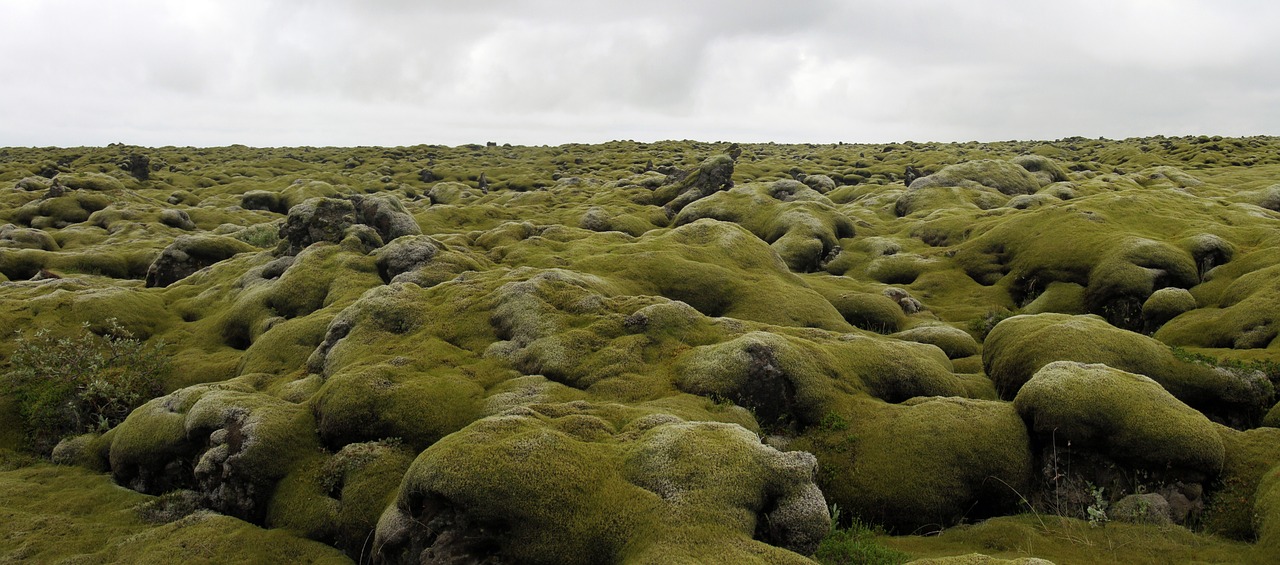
<point x="673" y="352"/>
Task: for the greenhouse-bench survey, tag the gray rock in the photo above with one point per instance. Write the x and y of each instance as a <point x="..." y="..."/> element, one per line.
<point x="177" y="219"/>
<point x="316" y="220"/>
<point x="386" y="215"/>
<point x="1150" y="508"/>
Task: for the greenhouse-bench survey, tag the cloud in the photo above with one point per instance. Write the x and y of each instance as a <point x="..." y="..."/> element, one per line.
<point x="332" y="72"/>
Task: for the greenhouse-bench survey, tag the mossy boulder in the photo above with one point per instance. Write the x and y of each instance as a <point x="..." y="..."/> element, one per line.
<point x="262" y="200"/>
<point x="451" y="193"/>
<point x="177" y="219"/>
<point x="1267" y="510"/>
<point x="100" y="182"/>
<point x="712" y="175"/>
<point x="953" y="341"/>
<point x="870" y="311"/>
<point x="14" y="237"/>
<point x="1006" y="177"/>
<point x="594" y="489"/>
<point x="190" y="253"/>
<point x="1126" y="416"/>
<point x="925" y="464"/>
<point x="317" y="220"/>
<point x="802" y="225"/>
<point x="1164" y="305"/>
<point x="1237" y="312"/>
<point x="386" y="214"/>
<point x="1019" y="346"/>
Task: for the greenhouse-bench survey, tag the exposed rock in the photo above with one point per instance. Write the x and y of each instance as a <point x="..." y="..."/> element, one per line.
<point x="177" y="219"/>
<point x="316" y="220"/>
<point x="190" y="253"/>
<point x="713" y="175"/>
<point x="26" y="238"/>
<point x="1150" y="508"/>
<point x="387" y="215"/>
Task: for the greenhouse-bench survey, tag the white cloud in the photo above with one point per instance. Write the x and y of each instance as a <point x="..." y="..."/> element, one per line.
<point x="333" y="72"/>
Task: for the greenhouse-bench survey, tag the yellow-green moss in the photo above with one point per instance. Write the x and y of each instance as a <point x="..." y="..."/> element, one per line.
<point x="1125" y="415"/>
<point x="926" y="464"/>
<point x="1019" y="346"/>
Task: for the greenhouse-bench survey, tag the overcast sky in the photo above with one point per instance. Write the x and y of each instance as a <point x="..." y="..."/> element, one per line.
<point x="402" y="72"/>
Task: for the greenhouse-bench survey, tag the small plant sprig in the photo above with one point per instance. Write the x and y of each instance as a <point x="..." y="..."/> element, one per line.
<point x="855" y="544"/>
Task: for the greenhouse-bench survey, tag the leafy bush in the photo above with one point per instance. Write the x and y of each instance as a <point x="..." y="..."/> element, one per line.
<point x="982" y="325"/>
<point x="83" y="383"/>
<point x="854" y="545"/>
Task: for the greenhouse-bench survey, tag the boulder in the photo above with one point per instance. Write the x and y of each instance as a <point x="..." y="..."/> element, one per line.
<point x="190" y="253"/>
<point x="317" y="220"/>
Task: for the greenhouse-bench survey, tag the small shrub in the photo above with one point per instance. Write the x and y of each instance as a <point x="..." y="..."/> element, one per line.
<point x="1097" y="510"/>
<point x="84" y="383"/>
<point x="260" y="235"/>
<point x="983" y="325"/>
<point x="854" y="545"/>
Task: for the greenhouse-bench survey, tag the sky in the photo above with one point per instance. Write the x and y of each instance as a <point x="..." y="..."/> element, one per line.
<point x="404" y="72"/>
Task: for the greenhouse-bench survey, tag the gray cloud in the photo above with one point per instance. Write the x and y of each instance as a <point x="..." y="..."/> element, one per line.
<point x="332" y="72"/>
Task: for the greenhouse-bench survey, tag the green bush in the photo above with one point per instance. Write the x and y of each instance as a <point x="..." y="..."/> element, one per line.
<point x="855" y="545"/>
<point x="86" y="382"/>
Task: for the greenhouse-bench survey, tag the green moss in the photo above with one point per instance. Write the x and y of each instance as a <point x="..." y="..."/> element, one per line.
<point x="380" y="401"/>
<point x="1027" y="538"/>
<point x="213" y="538"/>
<point x="341" y="500"/>
<point x="803" y="226"/>
<point x="1003" y="176"/>
<point x="869" y="311"/>
<point x="684" y="491"/>
<point x="1060" y="297"/>
<point x="1166" y="304"/>
<point x="1268" y="514"/>
<point x="1124" y="415"/>
<point x="1239" y="318"/>
<point x="955" y="342"/>
<point x="1021" y="345"/>
<point x="907" y="466"/>
<point x="91" y="181"/>
<point x="1230" y="508"/>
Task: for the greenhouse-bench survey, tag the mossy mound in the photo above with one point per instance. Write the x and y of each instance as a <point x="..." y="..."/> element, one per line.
<point x="1019" y="346"/>
<point x="595" y="489"/>
<point x="802" y="225"/>
<point x="1166" y="304"/>
<point x="955" y="342"/>
<point x="712" y="175"/>
<point x="64" y="514"/>
<point x="1240" y="316"/>
<point x="1124" y="415"/>
<point x="1003" y="176"/>
<point x="907" y="467"/>
<point x="1052" y="539"/>
<point x="1268" y="513"/>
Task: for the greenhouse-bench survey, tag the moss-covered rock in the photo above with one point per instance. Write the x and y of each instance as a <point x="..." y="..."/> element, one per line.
<point x="712" y="175"/>
<point x="804" y="227"/>
<point x="387" y="215"/>
<point x="1164" y="305"/>
<point x="907" y="467"/>
<point x="1019" y="346"/>
<point x="1003" y="176"/>
<point x="596" y="490"/>
<point x="1268" y="514"/>
<point x="955" y="342"/>
<point x="190" y="253"/>
<point x="316" y="220"/>
<point x="1124" y="415"/>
